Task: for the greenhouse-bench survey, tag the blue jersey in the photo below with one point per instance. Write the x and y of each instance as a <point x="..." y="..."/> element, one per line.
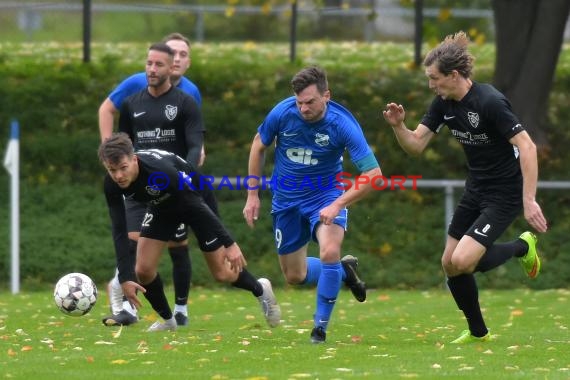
<point x="308" y="156"/>
<point x="138" y="82"/>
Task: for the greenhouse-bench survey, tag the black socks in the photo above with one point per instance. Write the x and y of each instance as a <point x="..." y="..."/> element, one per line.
<point x="466" y="295"/>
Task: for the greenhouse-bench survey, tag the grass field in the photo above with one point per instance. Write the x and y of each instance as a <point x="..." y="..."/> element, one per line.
<point x="394" y="334"/>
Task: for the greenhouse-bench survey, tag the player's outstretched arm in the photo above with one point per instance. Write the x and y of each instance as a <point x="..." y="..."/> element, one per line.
<point x="529" y="168"/>
<point x="255" y="169"/>
<point x="107" y="112"/>
<point x="413" y="142"/>
<point x="353" y="194"/>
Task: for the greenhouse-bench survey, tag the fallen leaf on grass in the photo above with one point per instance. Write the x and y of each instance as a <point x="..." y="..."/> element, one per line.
<point x="356" y="339"/>
<point x="117" y="334"/>
<point x="26" y="348"/>
<point x="541" y="369"/>
<point x="119" y="361"/>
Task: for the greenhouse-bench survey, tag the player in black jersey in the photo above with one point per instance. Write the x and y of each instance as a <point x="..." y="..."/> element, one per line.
<point x="161" y="116"/>
<point x="162" y="181"/>
<point x="502" y="175"/>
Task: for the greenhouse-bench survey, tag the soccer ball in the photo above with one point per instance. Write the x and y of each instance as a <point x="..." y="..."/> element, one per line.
<point x="75" y="294"/>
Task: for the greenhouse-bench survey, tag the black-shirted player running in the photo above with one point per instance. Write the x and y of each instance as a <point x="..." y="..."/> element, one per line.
<point x="162" y="116"/>
<point x="162" y="181"/>
<point x="502" y="175"/>
<point x="178" y="250"/>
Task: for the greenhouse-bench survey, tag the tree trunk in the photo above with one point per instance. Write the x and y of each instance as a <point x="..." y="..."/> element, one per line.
<point x="529" y="38"/>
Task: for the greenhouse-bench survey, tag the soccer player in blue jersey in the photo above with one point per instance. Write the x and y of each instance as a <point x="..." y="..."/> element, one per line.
<point x="502" y="175"/>
<point x="310" y="133"/>
<point x="122" y="313"/>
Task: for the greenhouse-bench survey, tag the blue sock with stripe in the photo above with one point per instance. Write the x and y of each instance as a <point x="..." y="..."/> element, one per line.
<point x="327" y="293"/>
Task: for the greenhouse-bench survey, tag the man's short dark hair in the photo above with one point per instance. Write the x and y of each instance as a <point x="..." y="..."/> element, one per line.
<point x="309" y="76"/>
<point x="115" y="148"/>
<point x="162" y="47"/>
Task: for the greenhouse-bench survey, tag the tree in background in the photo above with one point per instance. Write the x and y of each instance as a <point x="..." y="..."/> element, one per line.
<point x="529" y="36"/>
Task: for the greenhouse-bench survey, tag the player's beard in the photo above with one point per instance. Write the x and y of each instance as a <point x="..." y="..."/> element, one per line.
<point x="156" y="81"/>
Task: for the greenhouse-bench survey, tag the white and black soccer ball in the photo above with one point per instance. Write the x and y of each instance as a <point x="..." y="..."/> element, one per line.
<point x="75" y="294"/>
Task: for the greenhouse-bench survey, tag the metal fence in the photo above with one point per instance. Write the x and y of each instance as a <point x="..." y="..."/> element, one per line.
<point x="448" y="188"/>
<point x="380" y="16"/>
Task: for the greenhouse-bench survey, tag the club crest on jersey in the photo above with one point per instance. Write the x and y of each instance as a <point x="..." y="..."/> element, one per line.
<point x="170" y="112"/>
<point x="152" y="190"/>
<point x="321" y="139"/>
<point x="473" y="119"/>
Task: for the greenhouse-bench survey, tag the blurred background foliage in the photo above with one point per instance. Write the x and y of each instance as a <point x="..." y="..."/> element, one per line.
<point x="241" y="64"/>
<point x="398" y="235"/>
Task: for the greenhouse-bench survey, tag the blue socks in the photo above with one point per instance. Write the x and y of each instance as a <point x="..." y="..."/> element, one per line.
<point x="328" y="288"/>
<point x="314" y="268"/>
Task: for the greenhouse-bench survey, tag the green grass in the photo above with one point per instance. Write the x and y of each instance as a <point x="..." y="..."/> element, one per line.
<point x="395" y="334"/>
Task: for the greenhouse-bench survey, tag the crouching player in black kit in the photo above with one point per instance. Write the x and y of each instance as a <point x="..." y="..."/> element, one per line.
<point x="158" y="179"/>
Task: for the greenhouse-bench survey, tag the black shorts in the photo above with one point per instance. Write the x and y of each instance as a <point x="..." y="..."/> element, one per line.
<point x="485" y="212"/>
<point x="135" y="212"/>
<point x="160" y="223"/>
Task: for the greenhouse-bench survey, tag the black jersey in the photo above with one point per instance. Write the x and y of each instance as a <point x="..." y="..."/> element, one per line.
<point x="162" y="184"/>
<point x="482" y="122"/>
<point x="171" y="122"/>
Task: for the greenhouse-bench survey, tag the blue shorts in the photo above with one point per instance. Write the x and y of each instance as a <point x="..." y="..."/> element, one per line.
<point x="294" y="224"/>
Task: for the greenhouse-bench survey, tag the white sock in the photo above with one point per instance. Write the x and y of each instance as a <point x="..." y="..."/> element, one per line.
<point x="181" y="309"/>
<point x="116" y="296"/>
<point x="129" y="308"/>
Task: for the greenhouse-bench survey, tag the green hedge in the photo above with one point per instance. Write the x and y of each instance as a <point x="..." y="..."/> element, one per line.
<point x="398" y="235"/>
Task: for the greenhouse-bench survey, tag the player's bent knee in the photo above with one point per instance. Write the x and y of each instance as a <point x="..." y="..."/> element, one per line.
<point x="459" y="266"/>
<point x="294" y="278"/>
<point x="225" y="275"/>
